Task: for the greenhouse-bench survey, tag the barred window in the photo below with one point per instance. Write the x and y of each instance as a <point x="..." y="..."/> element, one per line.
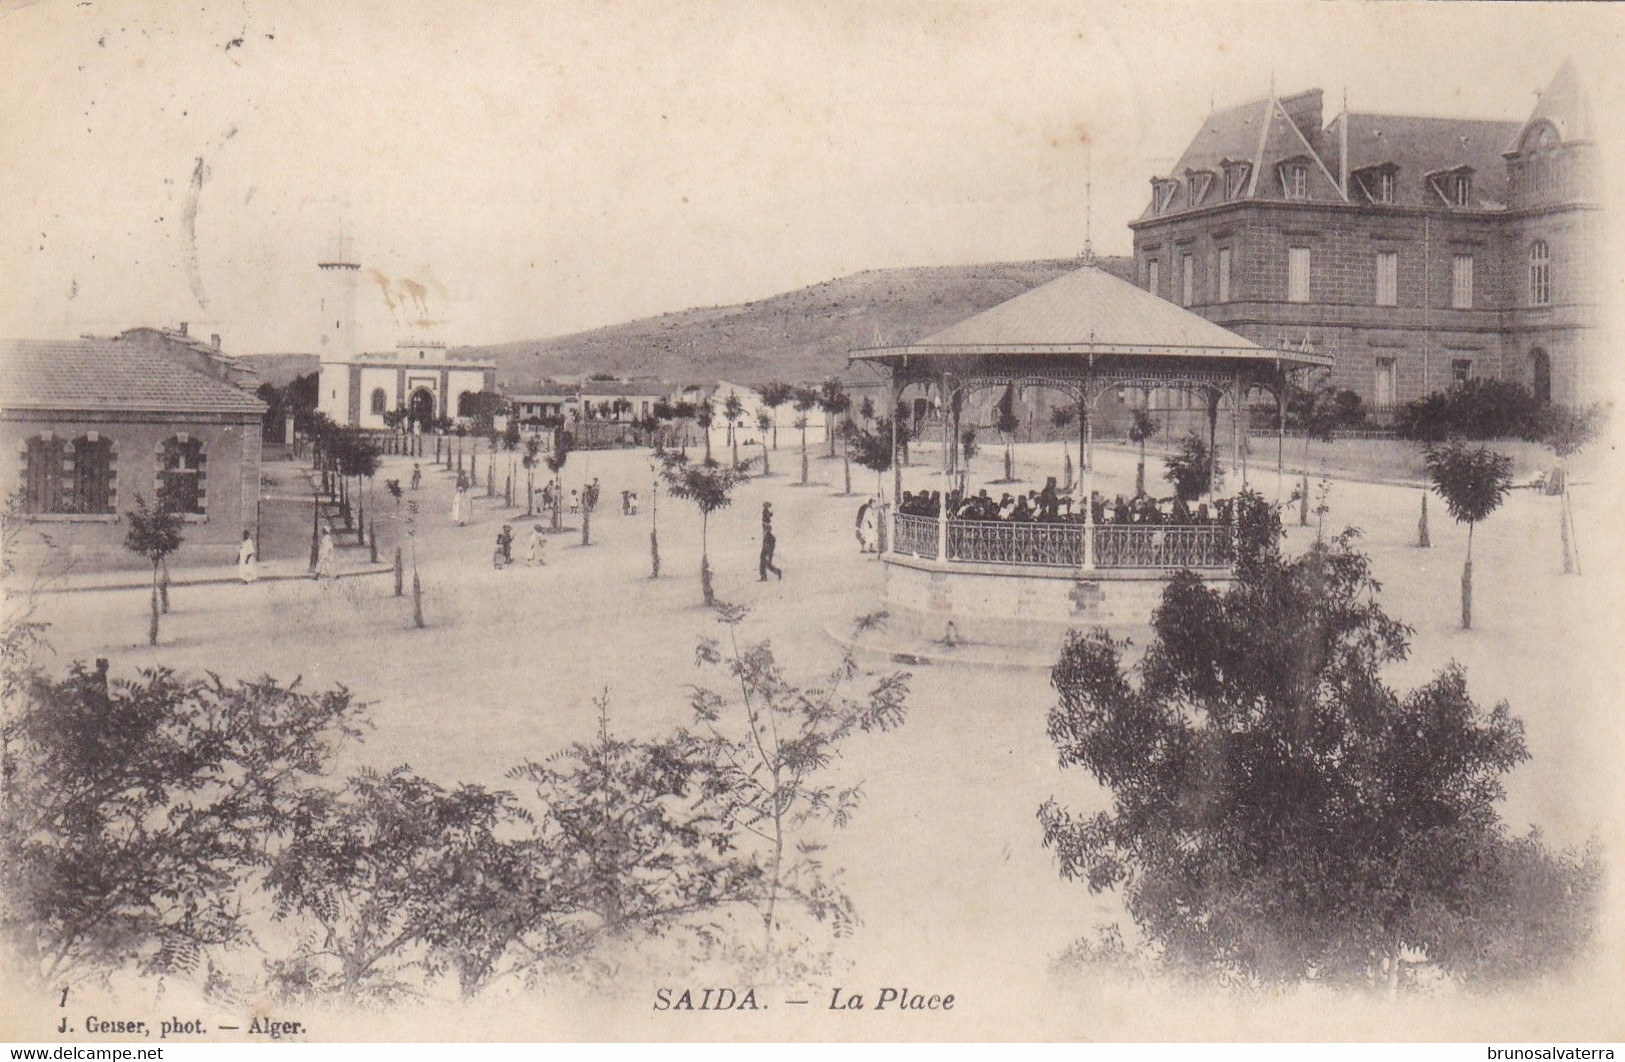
<point x="45" y="487"/>
<point x="92" y="475"/>
<point x="181" y="475"/>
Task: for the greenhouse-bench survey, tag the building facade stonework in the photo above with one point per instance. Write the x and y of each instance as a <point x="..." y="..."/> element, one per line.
<point x="87" y="426"/>
<point x="1419" y="252"/>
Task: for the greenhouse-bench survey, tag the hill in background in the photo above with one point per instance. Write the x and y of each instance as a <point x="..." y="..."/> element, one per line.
<point x="280" y="369"/>
<point x="799" y="336"/>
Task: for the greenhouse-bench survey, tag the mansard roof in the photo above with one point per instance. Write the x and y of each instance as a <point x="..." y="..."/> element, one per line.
<point x="1264" y="133"/>
<point x="1420" y="147"/>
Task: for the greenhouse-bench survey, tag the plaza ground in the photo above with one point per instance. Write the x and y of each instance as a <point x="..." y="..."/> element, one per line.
<point x="943" y="860"/>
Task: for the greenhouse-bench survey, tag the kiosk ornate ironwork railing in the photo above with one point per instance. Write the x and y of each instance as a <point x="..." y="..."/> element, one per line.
<point x="1060" y="545"/>
<point x="916" y="536"/>
<point x="1164" y="546"/>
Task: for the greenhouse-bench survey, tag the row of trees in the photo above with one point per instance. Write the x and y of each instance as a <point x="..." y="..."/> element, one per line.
<point x="187" y="827"/>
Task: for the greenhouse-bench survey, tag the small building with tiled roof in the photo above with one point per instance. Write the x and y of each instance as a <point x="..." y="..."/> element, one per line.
<point x="90" y="424"/>
<point x="1418" y="252"/>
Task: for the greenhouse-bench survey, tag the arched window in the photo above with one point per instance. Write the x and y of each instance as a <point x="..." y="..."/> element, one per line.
<point x="93" y="475"/>
<point x="1540" y="274"/>
<point x="45" y="488"/>
<point x="380" y="401"/>
<point x="1540" y="367"/>
<point x="465" y="404"/>
<point x="181" y="475"/>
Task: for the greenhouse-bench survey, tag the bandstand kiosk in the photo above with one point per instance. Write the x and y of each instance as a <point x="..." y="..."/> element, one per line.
<point x="952" y="581"/>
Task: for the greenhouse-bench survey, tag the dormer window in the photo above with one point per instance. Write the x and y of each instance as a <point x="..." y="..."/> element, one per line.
<point x="1380" y="183"/>
<point x="1163" y="195"/>
<point x="1295" y="180"/>
<point x="1197" y="182"/>
<point x="1382" y="186"/>
<point x="1460" y="189"/>
<point x="1235" y="179"/>
<point x="1455" y="187"/>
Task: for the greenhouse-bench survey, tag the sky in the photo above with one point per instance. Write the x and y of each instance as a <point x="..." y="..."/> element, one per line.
<point x="509" y="170"/>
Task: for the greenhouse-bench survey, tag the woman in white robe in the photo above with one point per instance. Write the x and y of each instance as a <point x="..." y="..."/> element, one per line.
<point x="248" y="564"/>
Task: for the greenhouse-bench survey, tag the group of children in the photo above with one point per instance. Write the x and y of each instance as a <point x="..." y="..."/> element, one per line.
<point x="535" y="547"/>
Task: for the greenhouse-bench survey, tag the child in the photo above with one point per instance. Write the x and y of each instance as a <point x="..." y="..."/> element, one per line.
<point x="535" y="547"/>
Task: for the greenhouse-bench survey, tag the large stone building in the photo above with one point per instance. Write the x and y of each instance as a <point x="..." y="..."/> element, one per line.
<point x="91" y="423"/>
<point x="1417" y="251"/>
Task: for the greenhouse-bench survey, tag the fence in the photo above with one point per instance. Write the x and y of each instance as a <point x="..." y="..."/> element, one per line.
<point x="1060" y="545"/>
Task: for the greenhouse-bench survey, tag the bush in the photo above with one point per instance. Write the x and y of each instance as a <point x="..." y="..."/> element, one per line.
<point x="1477" y="409"/>
<point x="1190" y="469"/>
<point x="1280" y="814"/>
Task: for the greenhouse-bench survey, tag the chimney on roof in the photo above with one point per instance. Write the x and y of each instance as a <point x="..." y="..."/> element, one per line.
<point x="183" y="328"/>
<point x="214" y="340"/>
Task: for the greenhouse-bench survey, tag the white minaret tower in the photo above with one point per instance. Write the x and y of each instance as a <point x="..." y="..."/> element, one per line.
<point x="340" y="277"/>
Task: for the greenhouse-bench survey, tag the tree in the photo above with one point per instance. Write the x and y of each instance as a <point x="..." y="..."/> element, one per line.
<point x="834" y="401"/>
<point x="774" y="396"/>
<point x="770" y="749"/>
<point x="1317" y="413"/>
<point x="1566" y="432"/>
<point x="733" y="409"/>
<point x="633" y="847"/>
<point x="1278" y="813"/>
<point x="555" y="464"/>
<point x="401" y="878"/>
<point x="1473" y="483"/>
<point x="872" y="449"/>
<point x="705" y="414"/>
<point x="137" y="811"/>
<point x="803" y="402"/>
<point x="154" y="533"/>
<point x="764" y="423"/>
<point x="1142" y="430"/>
<point x="1191" y="469"/>
<point x="1006" y="422"/>
<point x="709" y="486"/>
<point x="532" y="457"/>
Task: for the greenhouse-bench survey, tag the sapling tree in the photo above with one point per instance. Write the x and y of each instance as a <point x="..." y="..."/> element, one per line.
<point x="555" y="464"/>
<point x="1278" y="813"/>
<point x="764" y="422"/>
<point x="771" y="744"/>
<point x="1141" y="430"/>
<point x="1006" y="421"/>
<point x="154" y="532"/>
<point x="710" y="487"/>
<point x="733" y="409"/>
<point x="1473" y="483"/>
<point x="803" y="402"/>
<point x="1566" y="432"/>
<point x="705" y="414"/>
<point x="834" y="400"/>
<point x="872" y="449"/>
<point x="774" y="396"/>
<point x="532" y="457"/>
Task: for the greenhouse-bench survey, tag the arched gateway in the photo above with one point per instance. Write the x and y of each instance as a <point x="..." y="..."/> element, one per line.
<point x="952" y="574"/>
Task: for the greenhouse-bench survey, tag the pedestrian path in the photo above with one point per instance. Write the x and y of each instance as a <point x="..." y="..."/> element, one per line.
<point x="202" y="575"/>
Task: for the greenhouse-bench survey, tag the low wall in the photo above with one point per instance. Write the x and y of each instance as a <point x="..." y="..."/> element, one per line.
<point x="1029" y="608"/>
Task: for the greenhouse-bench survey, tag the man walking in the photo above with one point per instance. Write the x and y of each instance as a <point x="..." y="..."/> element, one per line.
<point x="768" y="544"/>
